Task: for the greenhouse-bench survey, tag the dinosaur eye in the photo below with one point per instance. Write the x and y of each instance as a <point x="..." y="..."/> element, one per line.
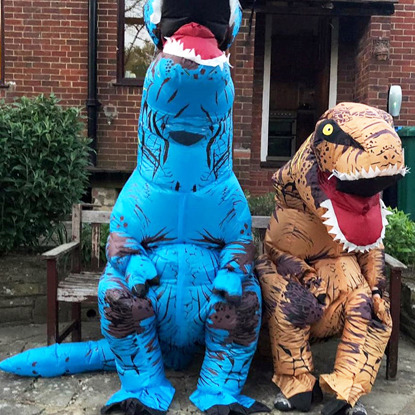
<point x="328" y="129"/>
<point x="331" y="132"/>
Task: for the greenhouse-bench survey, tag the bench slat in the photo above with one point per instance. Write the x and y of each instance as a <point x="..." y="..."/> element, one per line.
<point x="95" y="216"/>
<point x="260" y="222"/>
<point x="79" y="287"/>
<point x="103" y="216"/>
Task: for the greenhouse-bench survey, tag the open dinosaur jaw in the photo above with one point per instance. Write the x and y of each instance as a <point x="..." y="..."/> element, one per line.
<point x="357" y="222"/>
<point x="360" y="232"/>
<point x="196" y="43"/>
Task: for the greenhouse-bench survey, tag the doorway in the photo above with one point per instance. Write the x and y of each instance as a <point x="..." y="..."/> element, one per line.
<point x="296" y="82"/>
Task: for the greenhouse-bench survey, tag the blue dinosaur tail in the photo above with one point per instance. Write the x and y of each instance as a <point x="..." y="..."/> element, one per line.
<point x="61" y="359"/>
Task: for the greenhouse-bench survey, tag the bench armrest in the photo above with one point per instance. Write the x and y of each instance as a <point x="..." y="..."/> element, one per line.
<point x="394" y="263"/>
<point x="60" y="250"/>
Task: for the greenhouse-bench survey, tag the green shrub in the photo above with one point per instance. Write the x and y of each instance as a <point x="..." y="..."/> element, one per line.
<point x="262" y="205"/>
<point x="86" y="249"/>
<point x="400" y="237"/>
<point x="43" y="162"/>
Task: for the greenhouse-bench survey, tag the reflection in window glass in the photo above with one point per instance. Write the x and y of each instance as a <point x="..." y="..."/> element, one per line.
<point x="138" y="47"/>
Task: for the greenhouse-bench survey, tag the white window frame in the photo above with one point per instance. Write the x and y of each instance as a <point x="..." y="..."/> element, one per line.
<point x="334" y="49"/>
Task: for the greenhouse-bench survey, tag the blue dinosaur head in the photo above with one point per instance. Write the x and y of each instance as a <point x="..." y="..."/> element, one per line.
<point x="164" y="18"/>
<point x="185" y="127"/>
<point x="189" y="81"/>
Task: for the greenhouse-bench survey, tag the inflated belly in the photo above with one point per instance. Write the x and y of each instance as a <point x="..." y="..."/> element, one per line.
<point x="185" y="264"/>
<point x="186" y="275"/>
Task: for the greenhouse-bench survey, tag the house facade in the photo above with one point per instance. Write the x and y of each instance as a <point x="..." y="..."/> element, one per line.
<point x="291" y="61"/>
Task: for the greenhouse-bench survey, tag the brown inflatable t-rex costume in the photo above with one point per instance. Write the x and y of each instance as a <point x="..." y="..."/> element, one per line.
<point x="322" y="272"/>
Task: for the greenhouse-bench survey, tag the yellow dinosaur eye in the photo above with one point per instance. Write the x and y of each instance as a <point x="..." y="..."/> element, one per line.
<point x="328" y="129"/>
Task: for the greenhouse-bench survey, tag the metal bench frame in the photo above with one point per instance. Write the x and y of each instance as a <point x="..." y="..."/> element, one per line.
<point x="80" y="286"/>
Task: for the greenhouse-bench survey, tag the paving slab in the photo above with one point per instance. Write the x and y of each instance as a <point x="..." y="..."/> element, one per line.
<point x="85" y="394"/>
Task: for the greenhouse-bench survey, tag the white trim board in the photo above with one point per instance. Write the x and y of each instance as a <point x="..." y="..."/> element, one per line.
<point x="267" y="87"/>
<point x="334" y="62"/>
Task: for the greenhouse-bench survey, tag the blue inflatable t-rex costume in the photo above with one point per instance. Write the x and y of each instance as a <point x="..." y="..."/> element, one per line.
<point x="180" y="249"/>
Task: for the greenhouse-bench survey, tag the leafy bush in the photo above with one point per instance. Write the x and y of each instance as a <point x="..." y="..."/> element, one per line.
<point x="86" y="249"/>
<point x="400" y="237"/>
<point x="43" y="162"/>
<point x="262" y="205"/>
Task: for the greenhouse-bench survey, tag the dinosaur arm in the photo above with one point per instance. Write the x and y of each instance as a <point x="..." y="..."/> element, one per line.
<point x="237" y="255"/>
<point x="129" y="258"/>
<point x="372" y="264"/>
<point x="236" y="263"/>
<point x="289" y="266"/>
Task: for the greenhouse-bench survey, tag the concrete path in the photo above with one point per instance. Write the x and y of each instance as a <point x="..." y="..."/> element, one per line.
<point x="84" y="394"/>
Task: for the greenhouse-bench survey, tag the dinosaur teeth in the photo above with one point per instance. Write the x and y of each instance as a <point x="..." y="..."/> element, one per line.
<point x="156" y="15"/>
<point x="391" y="170"/>
<point x="337" y="234"/>
<point x="235" y="7"/>
<point x="176" y="48"/>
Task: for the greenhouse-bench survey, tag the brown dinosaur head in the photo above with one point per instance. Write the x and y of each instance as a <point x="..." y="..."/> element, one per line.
<point x="353" y="154"/>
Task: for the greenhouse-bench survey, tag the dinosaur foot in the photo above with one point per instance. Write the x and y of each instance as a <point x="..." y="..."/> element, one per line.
<point x="358" y="409"/>
<point x="335" y="407"/>
<point x="339" y="407"/>
<point x="301" y="401"/>
<point x="131" y="406"/>
<point x="237" y="409"/>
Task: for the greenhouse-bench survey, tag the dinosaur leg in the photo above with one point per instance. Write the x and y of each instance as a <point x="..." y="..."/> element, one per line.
<point x="361" y="346"/>
<point x="231" y="338"/>
<point x="129" y="325"/>
<point x="377" y="338"/>
<point x="289" y="311"/>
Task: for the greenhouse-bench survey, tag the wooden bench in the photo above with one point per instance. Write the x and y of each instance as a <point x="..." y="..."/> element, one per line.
<point x="81" y="286"/>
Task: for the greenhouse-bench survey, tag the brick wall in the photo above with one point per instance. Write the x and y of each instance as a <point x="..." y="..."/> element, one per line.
<point x="362" y="75"/>
<point x="117" y="143"/>
<point x="373" y="74"/>
<point x="46" y="49"/>
<point x="243" y="78"/>
<point x="46" y="46"/>
<point x="402" y="58"/>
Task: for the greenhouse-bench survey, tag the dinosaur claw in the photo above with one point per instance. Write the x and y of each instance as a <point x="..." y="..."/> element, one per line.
<point x="140" y="290"/>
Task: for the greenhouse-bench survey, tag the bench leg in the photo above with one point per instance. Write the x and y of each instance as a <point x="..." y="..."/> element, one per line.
<point x="395" y="301"/>
<point x="52" y="303"/>
<point x="76" y="317"/>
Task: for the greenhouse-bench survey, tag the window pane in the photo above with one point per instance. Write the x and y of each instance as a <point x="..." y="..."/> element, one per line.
<point x="138" y="47"/>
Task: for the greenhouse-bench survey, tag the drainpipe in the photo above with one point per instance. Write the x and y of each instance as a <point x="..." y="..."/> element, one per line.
<point x="92" y="102"/>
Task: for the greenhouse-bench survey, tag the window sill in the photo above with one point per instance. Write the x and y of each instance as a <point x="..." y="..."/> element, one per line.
<point x="4" y="86"/>
<point x="272" y="164"/>
<point x="130" y="82"/>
